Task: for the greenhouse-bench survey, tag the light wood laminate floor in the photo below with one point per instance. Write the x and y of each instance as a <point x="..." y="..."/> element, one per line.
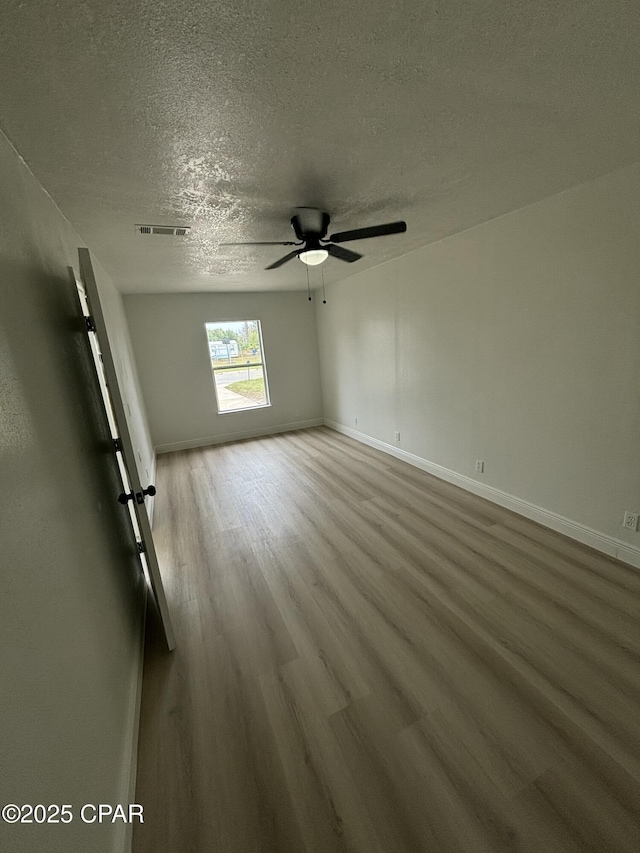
<point x="370" y="659"/>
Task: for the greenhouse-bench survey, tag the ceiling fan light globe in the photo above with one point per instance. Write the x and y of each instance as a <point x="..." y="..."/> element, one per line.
<point x="313" y="257"/>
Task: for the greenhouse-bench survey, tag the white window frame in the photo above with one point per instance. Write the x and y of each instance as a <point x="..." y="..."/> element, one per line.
<point x="262" y="363"/>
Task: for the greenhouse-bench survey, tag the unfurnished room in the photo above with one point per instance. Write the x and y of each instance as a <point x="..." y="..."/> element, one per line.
<point x="320" y="427"/>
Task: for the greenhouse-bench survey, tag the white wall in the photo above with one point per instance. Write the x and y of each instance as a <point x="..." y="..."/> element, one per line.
<point x="171" y="351"/>
<point x="71" y="602"/>
<point x="517" y="342"/>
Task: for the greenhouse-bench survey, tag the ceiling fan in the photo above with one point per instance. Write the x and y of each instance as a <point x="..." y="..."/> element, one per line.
<point x="310" y="226"/>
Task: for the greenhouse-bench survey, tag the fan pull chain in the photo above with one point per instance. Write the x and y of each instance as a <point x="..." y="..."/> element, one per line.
<point x="324" y="297"/>
<point x="308" y="285"/>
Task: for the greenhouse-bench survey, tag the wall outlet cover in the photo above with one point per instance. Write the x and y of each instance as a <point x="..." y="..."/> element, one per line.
<point x="631" y="520"/>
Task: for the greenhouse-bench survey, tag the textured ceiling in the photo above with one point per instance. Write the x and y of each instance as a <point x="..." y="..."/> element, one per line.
<point x="227" y="116"/>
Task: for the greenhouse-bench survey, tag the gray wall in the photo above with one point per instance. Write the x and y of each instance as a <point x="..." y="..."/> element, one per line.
<point x="171" y="351"/>
<point x="70" y="608"/>
<point x="517" y="342"/>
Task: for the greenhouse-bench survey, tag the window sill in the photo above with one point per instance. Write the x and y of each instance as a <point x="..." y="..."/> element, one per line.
<point x="245" y="409"/>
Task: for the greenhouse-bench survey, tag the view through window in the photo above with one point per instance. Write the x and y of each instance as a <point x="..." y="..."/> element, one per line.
<point x="237" y="361"/>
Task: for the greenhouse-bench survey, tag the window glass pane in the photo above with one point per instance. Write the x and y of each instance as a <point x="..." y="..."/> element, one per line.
<point x="239" y="372"/>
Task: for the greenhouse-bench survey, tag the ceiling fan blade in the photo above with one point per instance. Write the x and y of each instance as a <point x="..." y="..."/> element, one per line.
<point x="284" y="260"/>
<point x="342" y="254"/>
<point x="286" y="243"/>
<point x="373" y="231"/>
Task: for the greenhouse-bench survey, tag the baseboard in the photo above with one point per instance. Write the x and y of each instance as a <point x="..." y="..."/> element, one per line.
<point x="628" y="554"/>
<point x="131" y="750"/>
<point x="587" y="536"/>
<point x="237" y="436"/>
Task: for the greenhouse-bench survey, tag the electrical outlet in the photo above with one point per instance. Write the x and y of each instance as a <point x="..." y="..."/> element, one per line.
<point x="355" y="421"/>
<point x="397" y="436"/>
<point x="631" y="520"/>
<point x="480" y="466"/>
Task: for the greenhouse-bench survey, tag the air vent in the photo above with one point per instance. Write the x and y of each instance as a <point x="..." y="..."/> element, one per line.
<point x="166" y="230"/>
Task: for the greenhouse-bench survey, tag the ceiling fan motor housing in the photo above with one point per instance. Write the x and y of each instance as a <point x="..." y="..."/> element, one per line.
<point x="310" y="223"/>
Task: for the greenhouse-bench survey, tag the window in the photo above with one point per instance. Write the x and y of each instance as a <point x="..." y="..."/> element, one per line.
<point x="237" y="362"/>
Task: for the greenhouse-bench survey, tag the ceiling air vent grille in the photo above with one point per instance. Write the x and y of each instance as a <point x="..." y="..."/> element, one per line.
<point x="166" y="230"/>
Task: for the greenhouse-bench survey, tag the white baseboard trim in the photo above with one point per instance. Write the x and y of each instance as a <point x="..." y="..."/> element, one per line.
<point x="587" y="536"/>
<point x="237" y="436"/>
